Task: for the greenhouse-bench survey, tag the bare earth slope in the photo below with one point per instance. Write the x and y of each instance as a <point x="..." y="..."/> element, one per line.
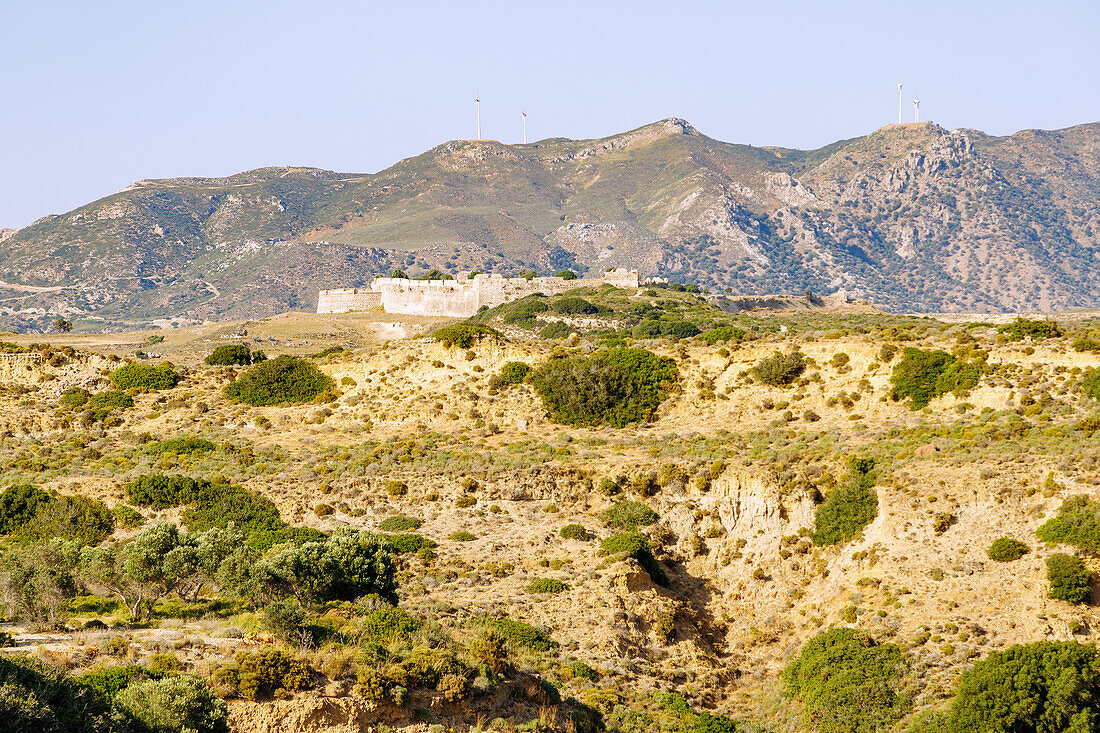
<point x="737" y="470"/>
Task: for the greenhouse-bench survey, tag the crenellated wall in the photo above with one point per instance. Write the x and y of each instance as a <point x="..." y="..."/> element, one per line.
<point x="459" y="298"/>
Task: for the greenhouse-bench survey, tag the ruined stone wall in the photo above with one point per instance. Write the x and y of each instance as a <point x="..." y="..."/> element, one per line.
<point x="451" y="298"/>
<point x="348" y="299"/>
<point x="456" y="298"/>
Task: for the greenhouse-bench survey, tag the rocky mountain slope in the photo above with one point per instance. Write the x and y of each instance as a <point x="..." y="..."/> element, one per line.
<point x="912" y="217"/>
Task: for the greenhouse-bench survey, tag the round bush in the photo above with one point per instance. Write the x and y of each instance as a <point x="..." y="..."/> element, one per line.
<point x="514" y="372"/>
<point x="575" y="532"/>
<point x="574" y="306"/>
<point x="546" y="585"/>
<point x="145" y="376"/>
<point x="613" y="387"/>
<point x="230" y="355"/>
<point x="399" y="523"/>
<point x="1043" y="686"/>
<point x="1070" y="580"/>
<point x="1006" y="549"/>
<point x="282" y="380"/>
<point x="779" y="369"/>
<point x="175" y="703"/>
<point x="848" y="683"/>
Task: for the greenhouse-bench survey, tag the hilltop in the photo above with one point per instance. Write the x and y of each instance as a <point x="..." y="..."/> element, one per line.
<point x="912" y="217"/>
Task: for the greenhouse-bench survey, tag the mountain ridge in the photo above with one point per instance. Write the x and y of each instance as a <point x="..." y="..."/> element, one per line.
<point x="912" y="216"/>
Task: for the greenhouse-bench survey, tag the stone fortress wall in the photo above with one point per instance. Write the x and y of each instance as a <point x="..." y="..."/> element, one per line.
<point x="348" y="299"/>
<point x="458" y="298"/>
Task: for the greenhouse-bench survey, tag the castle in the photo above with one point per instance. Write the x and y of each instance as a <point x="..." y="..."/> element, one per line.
<point x="459" y="298"/>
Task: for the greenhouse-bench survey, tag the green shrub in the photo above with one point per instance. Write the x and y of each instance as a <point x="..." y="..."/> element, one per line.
<point x="635" y="545"/>
<point x="628" y="515"/>
<point x="464" y="335"/>
<point x="1077" y="523"/>
<point x="524" y="311"/>
<point x="78" y="518"/>
<point x="161" y="492"/>
<point x="399" y="523"/>
<point x="546" y="585"/>
<point x="285" y="619"/>
<point x="36" y="697"/>
<point x="1026" y="328"/>
<point x="514" y="372"/>
<point x="1045" y="687"/>
<point x="614" y="387"/>
<point x="164" y="665"/>
<point x="648" y="328"/>
<point x="575" y="532"/>
<point x="462" y="536"/>
<point x="572" y="305"/>
<point x="924" y="375"/>
<point x="261" y="674"/>
<point x="230" y="355"/>
<point x="711" y="723"/>
<point x="1086" y="343"/>
<point x="1006" y="549"/>
<point x="384" y="625"/>
<point x="127" y="517"/>
<point x="567" y="275"/>
<point x="75" y="397"/>
<point x="555" y="330"/>
<point x="521" y="635"/>
<point x="722" y="333"/>
<point x="677" y="330"/>
<point x="109" y="681"/>
<point x="282" y="380"/>
<point x="108" y="400"/>
<point x="779" y="369"/>
<point x="848" y="508"/>
<point x="174" y="704"/>
<point x="145" y="376"/>
<point x="186" y="445"/>
<point x="848" y="683"/>
<point x="18" y="505"/>
<point x="212" y="504"/>
<point x="1070" y="580"/>
<point x="409" y="542"/>
<point x="1090" y="383"/>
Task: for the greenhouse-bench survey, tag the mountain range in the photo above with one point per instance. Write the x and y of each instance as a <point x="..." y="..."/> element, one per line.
<point x="913" y="217"/>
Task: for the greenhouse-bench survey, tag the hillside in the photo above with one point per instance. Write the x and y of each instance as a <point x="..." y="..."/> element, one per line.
<point x="912" y="217"/>
<point x="524" y="615"/>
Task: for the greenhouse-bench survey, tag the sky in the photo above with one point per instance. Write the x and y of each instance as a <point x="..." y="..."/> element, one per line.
<point x="96" y="95"/>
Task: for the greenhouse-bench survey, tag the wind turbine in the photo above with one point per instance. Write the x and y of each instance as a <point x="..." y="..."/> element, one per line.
<point x="524" y="116"/>
<point x="899" y="102"/>
<point x="477" y="101"/>
<point x="916" y="110"/>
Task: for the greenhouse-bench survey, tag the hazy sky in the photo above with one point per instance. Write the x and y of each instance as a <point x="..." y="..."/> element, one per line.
<point x="95" y="95"/>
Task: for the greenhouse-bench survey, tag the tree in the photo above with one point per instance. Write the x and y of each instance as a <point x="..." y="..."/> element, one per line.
<point x="173" y="704"/>
<point x="612" y="387"/>
<point x="62" y="325"/>
<point x="230" y="355"/>
<point x="1070" y="580"/>
<point x="346" y="566"/>
<point x="848" y="683"/>
<point x="142" y="570"/>
<point x="1044" y="687"/>
<point x="399" y="274"/>
<point x="36" y="583"/>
